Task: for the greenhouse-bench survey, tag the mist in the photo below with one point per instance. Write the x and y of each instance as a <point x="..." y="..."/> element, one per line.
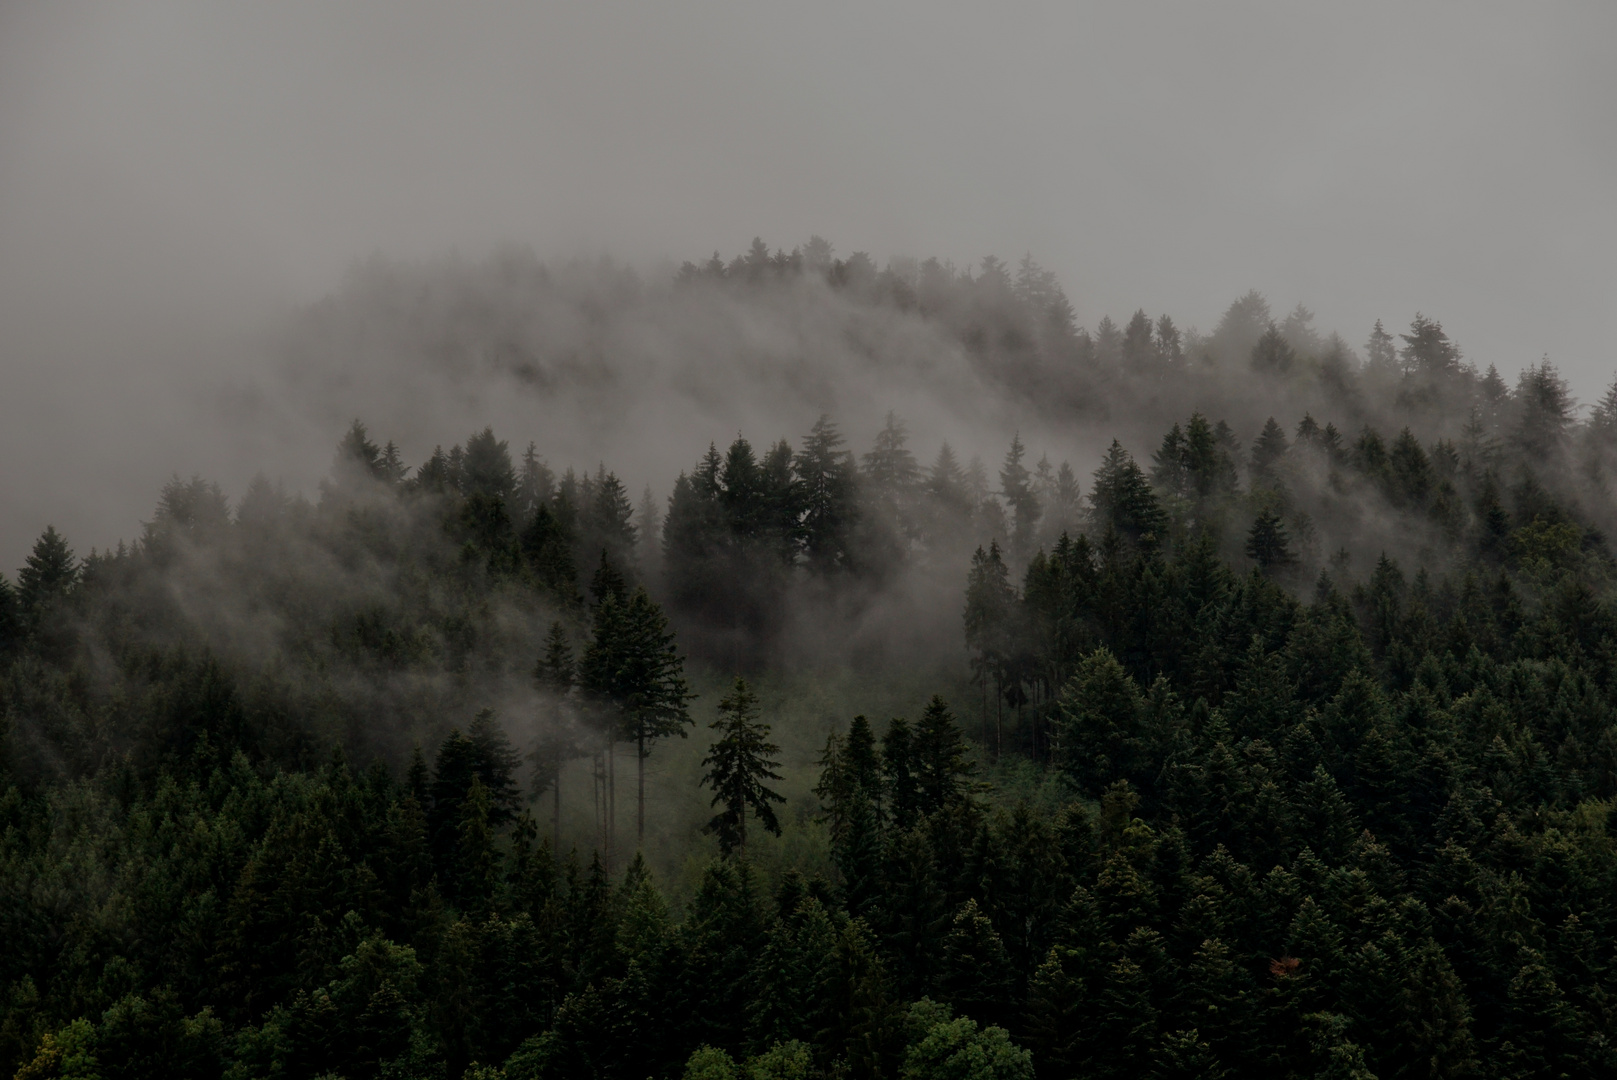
<point x="177" y="181"/>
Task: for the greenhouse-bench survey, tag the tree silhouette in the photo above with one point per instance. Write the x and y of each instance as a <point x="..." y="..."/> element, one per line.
<point x="738" y="763"/>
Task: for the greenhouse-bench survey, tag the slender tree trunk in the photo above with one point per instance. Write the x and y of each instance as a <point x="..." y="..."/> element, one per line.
<point x="596" y="772"/>
<point x="984" y="683"/>
<point x="999" y="714"/>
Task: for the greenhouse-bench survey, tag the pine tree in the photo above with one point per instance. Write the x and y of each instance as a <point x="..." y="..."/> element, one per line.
<point x="890" y="467"/>
<point x="608" y="582"/>
<point x="1019" y="493"/>
<point x="899" y="780"/>
<point x="1139" y="353"/>
<point x="486" y="467"/>
<point x="1273" y="354"/>
<point x="990" y="615"/>
<point x="1100" y="713"/>
<point x="826" y="479"/>
<point x="608" y="526"/>
<point x="649" y="528"/>
<point x="497" y="763"/>
<point x="1122" y="499"/>
<point x="547" y="550"/>
<point x="1544" y="412"/>
<point x="477" y="863"/>
<point x="1268" y="452"/>
<point x="1267" y="543"/>
<point x="11" y="619"/>
<point x="948" y="497"/>
<point x="1380" y="355"/>
<point x="1170" y="351"/>
<point x="535" y="484"/>
<point x="47" y="577"/>
<point x="738" y="763"/>
<point x="633" y="667"/>
<point x="1427" y="349"/>
<point x="555" y="675"/>
<point x="943" y="772"/>
<point x="358" y="458"/>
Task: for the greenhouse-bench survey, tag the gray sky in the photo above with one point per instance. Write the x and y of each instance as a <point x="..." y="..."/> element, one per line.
<point x="172" y="174"/>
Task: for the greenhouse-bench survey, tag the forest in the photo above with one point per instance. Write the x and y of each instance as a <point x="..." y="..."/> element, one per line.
<point x="1278" y="738"/>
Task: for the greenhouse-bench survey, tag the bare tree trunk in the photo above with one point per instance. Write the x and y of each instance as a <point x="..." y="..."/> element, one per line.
<point x="999" y="715"/>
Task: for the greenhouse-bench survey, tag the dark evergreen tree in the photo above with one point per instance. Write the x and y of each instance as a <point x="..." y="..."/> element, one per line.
<point x="825" y="479"/>
<point x="633" y="668"/>
<point x="737" y="765"/>
<point x="1273" y="354"/>
<point x="1267" y="543"/>
<point x="47" y="577"/>
<point x="943" y="771"/>
<point x="1122" y="500"/>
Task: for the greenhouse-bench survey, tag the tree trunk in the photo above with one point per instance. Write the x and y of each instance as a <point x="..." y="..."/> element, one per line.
<point x="640" y="784"/>
<point x="597" y="775"/>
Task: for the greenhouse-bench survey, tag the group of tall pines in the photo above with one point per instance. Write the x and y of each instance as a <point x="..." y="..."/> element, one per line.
<point x="1279" y="746"/>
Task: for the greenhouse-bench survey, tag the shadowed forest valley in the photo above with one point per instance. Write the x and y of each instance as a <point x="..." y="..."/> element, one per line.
<point x="1276" y="736"/>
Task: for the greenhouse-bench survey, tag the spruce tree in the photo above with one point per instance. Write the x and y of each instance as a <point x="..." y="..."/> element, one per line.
<point x="1380" y="355"/>
<point x="943" y="771"/>
<point x="1267" y="543"/>
<point x="1268" y="452"/>
<point x="1273" y="354"/>
<point x="555" y="675"/>
<point x="48" y="576"/>
<point x="497" y="764"/>
<point x="547" y="551"/>
<point x="898" y="774"/>
<point x="633" y="669"/>
<point x="535" y="484"/>
<point x="737" y="765"/>
<point x="1122" y="499"/>
<point x="11" y="620"/>
<point x="826" y="480"/>
<point x="1016" y="487"/>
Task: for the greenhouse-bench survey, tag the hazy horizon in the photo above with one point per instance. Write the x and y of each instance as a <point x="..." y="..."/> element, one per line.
<point x="176" y="181"/>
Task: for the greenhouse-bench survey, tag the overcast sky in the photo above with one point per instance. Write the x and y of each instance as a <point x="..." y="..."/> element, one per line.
<point x="170" y="173"/>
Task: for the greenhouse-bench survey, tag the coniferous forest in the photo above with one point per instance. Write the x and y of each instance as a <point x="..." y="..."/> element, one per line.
<point x="1277" y="739"/>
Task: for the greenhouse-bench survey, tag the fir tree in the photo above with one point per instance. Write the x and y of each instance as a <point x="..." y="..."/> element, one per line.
<point x="1122" y="499"/>
<point x="1380" y="354"/>
<point x="825" y="478"/>
<point x="47" y="577"/>
<point x="1267" y="543"/>
<point x="738" y="763"/>
<point x="633" y="667"/>
<point x="943" y="772"/>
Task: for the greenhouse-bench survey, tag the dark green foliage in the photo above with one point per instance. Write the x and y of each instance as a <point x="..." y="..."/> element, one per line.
<point x="737" y="765"/>
<point x="1122" y="500"/>
<point x="1337" y="816"/>
<point x="1267" y="543"/>
<point x="47" y="577"/>
<point x="633" y="671"/>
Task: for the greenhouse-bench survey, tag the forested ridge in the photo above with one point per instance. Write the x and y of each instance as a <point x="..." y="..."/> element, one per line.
<point x="1279" y="741"/>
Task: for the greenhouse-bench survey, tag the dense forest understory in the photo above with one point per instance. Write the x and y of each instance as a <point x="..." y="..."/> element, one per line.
<point x="1287" y="748"/>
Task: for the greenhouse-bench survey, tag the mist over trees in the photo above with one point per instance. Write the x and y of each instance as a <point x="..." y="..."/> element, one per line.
<point x="1276" y="736"/>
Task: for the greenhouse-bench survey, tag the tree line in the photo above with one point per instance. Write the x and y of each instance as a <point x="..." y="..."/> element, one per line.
<point x="1290" y="749"/>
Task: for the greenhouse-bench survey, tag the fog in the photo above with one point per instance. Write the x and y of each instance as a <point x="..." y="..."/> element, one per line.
<point x="179" y="182"/>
